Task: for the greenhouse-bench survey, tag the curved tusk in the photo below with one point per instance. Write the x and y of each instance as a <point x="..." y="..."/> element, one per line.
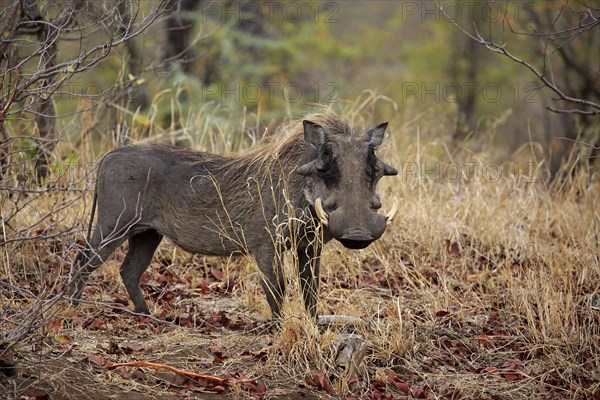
<point x="321" y="214"/>
<point x="390" y="216"/>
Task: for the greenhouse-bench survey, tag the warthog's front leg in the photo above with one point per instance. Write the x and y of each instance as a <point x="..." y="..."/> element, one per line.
<point x="309" y="262"/>
<point x="270" y="263"/>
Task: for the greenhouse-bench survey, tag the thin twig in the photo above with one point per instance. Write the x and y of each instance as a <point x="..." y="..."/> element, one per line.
<point x="210" y="378"/>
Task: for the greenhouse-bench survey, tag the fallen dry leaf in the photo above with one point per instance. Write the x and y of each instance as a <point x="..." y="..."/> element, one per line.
<point x="319" y="380"/>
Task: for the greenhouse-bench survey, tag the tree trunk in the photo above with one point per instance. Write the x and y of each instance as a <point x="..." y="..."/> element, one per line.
<point x="466" y="53"/>
<point x="136" y="94"/>
<point x="13" y="15"/>
<point x="179" y="30"/>
<point x="466" y="103"/>
<point x="46" y="117"/>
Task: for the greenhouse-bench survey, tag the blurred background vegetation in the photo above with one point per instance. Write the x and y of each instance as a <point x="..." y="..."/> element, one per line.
<point x="198" y="70"/>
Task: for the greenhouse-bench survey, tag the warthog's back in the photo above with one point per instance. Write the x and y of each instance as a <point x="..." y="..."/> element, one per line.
<point x="191" y="197"/>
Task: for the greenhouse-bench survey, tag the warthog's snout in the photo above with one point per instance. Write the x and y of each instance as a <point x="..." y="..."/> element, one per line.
<point x="357" y="240"/>
<point x="354" y="229"/>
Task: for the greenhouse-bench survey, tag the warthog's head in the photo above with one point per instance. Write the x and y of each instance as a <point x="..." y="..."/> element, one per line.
<point x="342" y="178"/>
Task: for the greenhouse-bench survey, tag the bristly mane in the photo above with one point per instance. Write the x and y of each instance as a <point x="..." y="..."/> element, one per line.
<point x="288" y="144"/>
<point x="280" y="152"/>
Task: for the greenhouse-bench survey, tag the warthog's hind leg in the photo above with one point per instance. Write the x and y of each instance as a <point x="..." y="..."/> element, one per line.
<point x="86" y="262"/>
<point x="141" y="249"/>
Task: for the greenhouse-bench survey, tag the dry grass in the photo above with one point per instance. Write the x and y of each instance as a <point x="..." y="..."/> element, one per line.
<point x="481" y="289"/>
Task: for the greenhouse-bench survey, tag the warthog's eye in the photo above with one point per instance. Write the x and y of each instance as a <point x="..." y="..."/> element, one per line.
<point x="325" y="158"/>
<point x="326" y="165"/>
<point x="373" y="164"/>
<point x="374" y="168"/>
<point x="326" y="151"/>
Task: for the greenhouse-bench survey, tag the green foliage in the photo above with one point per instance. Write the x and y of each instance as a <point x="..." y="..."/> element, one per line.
<point x="26" y="149"/>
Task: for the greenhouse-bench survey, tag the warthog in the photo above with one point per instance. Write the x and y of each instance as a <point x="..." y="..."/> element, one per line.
<point x="315" y="183"/>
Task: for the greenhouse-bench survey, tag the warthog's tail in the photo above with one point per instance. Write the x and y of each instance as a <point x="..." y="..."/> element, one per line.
<point x="89" y="232"/>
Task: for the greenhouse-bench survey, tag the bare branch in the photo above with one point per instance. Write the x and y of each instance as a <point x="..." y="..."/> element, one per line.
<point x="571" y="111"/>
<point x="540" y="75"/>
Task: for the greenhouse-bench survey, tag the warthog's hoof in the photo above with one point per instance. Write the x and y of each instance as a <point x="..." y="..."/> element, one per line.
<point x="73" y="293"/>
<point x="142" y="311"/>
<point x="8" y="368"/>
<point x="273" y="326"/>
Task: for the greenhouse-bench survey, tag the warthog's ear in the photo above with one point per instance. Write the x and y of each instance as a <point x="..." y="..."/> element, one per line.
<point x="313" y="133"/>
<point x="375" y="135"/>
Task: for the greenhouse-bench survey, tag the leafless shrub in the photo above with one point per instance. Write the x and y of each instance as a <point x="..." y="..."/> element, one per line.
<point x="46" y="48"/>
<point x="47" y="45"/>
